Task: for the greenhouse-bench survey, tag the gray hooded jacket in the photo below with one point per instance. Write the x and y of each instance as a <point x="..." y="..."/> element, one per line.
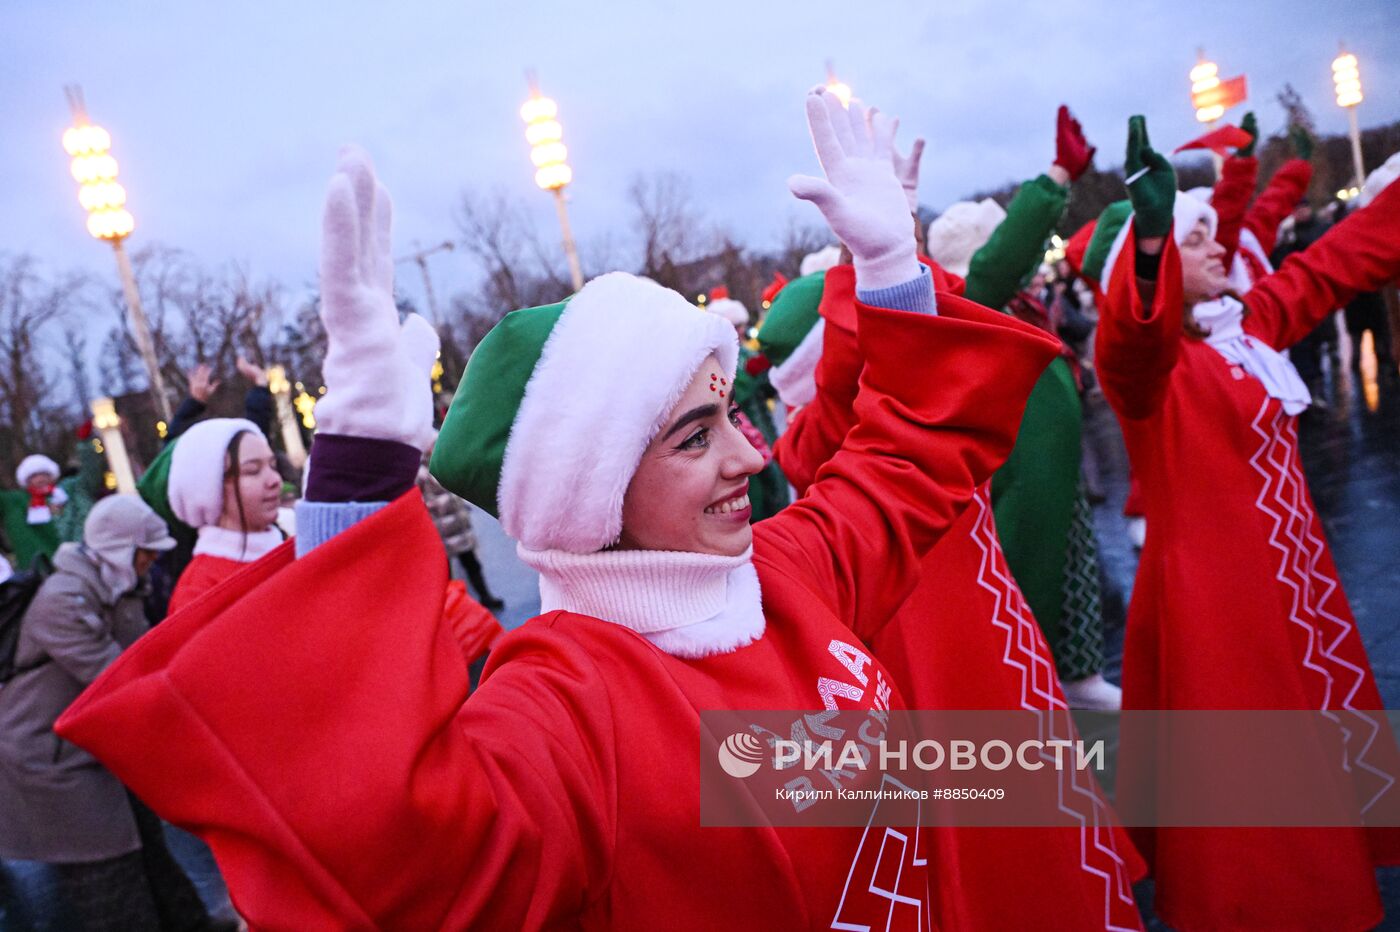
<point x="57" y="803"/>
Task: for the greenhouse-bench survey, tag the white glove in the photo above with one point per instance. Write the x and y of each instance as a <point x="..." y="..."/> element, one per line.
<point x="862" y="200"/>
<point x="378" y="373"/>
<point x="906" y="169"/>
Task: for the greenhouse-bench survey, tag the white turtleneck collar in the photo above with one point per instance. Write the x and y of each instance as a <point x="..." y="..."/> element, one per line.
<point x="1224" y="318"/>
<point x="689" y="605"/>
<point x="218" y="541"/>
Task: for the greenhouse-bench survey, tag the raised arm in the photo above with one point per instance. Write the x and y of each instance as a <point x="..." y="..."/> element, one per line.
<point x="377" y="415"/>
<point x="931" y="421"/>
<point x="336" y="788"/>
<point x="1283" y="192"/>
<point x="1139" y="335"/>
<point x="1234" y="190"/>
<point x="1361" y="253"/>
<point x="1017" y="245"/>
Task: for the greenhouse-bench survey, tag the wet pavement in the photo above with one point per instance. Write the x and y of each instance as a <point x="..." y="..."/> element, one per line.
<point x="1351" y="454"/>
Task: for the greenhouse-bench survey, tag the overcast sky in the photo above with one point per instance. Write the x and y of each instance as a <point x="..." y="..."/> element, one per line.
<point x="226" y="117"/>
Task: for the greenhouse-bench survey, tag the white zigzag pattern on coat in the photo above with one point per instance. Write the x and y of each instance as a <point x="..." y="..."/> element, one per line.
<point x="1300" y="555"/>
<point x="1011" y="613"/>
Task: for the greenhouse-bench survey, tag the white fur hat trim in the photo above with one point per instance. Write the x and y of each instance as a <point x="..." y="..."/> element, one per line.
<point x="197" y="465"/>
<point x="820" y="261"/>
<point x="731" y="310"/>
<point x="620" y="356"/>
<point x="796" y="379"/>
<point x="1377" y="181"/>
<point x="1187" y="211"/>
<point x="34" y="464"/>
<point x="956" y="235"/>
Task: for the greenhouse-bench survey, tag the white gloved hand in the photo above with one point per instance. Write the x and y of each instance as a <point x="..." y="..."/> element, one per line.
<point x="861" y="198"/>
<point x="378" y="373"/>
<point x="906" y="169"/>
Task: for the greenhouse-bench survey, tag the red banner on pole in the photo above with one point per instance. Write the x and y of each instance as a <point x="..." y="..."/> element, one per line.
<point x="1226" y="94"/>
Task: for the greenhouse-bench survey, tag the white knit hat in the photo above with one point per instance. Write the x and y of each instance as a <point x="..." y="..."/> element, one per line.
<point x="34" y="464"/>
<point x="1377" y="181"/>
<point x="956" y="235"/>
<point x="1187" y="211"/>
<point x="820" y="261"/>
<point x="197" y="467"/>
<point x="731" y="310"/>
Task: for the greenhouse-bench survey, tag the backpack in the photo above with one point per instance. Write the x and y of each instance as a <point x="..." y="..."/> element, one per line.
<point x="15" y="595"/>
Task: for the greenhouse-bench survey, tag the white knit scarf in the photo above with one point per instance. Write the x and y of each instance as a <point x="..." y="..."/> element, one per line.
<point x="1224" y="318"/>
<point x="689" y="605"/>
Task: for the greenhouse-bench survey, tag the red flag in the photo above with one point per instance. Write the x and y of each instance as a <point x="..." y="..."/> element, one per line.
<point x="1219" y="141"/>
<point x="1226" y="94"/>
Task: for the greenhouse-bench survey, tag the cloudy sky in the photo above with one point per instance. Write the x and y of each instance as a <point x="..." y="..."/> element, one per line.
<point x="226" y="117"/>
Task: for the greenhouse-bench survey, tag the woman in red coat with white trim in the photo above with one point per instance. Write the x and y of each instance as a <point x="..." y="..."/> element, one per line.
<point x="336" y="766"/>
<point x="1237" y="603"/>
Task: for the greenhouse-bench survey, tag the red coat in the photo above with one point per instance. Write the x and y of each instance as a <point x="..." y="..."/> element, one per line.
<point x="966" y="639"/>
<point x="203" y="573"/>
<point x="1238" y="209"/>
<point x="1237" y="603"/>
<point x="343" y="780"/>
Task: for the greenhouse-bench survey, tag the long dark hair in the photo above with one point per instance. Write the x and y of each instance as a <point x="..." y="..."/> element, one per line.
<point x="233" y="471"/>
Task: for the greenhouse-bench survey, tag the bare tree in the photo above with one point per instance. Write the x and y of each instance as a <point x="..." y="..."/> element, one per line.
<point x="800" y="240"/>
<point x="671" y="230"/>
<point x="1297" y="112"/>
<point x="519" y="269"/>
<point x="32" y="415"/>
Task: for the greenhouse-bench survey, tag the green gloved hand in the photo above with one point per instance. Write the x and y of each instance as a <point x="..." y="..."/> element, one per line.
<point x="1250" y="125"/>
<point x="1151" y="182"/>
<point x="1302" y="141"/>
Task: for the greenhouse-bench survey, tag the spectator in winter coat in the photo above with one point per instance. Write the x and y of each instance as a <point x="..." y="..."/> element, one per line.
<point x="57" y="803"/>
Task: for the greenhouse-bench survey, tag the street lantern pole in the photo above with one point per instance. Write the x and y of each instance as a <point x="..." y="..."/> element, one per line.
<point x="108" y="219"/>
<point x="1346" y="75"/>
<point x="420" y="258"/>
<point x="552" y="171"/>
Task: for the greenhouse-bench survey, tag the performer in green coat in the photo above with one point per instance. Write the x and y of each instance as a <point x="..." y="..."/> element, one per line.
<point x="30" y="512"/>
<point x="1043" y="518"/>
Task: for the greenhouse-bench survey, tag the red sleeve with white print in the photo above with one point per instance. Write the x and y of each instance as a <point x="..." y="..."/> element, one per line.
<point x="1283" y="192"/>
<point x="939" y="404"/>
<point x="1359" y="254"/>
<point x="1136" y="347"/>
<point x="331" y="763"/>
<point x="1231" y="199"/>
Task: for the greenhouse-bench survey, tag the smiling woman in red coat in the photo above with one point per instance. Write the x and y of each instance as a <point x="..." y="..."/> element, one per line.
<point x="335" y="764"/>
<point x="1237" y="603"/>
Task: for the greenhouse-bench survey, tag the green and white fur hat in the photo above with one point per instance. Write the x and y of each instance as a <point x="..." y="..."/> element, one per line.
<point x="1187" y="211"/>
<point x="559" y="402"/>
<point x="791" y="334"/>
<point x="791" y="338"/>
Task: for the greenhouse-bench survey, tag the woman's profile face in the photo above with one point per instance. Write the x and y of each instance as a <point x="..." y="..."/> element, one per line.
<point x="257" y="482"/>
<point x="690" y="491"/>
<point x="1203" y="273"/>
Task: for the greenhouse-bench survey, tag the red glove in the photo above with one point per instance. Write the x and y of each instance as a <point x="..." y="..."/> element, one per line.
<point x="1072" y="151"/>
